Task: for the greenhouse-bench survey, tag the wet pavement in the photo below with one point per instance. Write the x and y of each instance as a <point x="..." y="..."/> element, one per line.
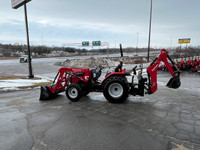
<point x="61" y="124"/>
<point x="40" y="66"/>
<point x="167" y="119"/>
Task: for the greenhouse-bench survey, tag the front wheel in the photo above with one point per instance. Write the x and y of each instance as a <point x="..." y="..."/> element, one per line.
<point x="73" y="92"/>
<point x="115" y="89"/>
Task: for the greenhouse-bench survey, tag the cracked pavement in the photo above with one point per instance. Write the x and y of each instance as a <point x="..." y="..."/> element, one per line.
<point x="168" y="119"/>
<point x="164" y="120"/>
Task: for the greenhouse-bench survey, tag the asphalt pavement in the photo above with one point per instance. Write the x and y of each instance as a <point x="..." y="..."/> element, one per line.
<point x="168" y="119"/>
<point x="61" y="124"/>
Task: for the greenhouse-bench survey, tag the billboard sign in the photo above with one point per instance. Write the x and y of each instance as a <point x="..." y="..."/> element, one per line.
<point x="17" y="3"/>
<point x="186" y="40"/>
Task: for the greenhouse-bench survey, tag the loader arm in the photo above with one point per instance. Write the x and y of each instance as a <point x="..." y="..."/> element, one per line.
<point x="174" y="82"/>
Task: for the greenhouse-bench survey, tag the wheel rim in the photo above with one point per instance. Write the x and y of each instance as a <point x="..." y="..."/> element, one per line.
<point x="115" y="90"/>
<point x="73" y="92"/>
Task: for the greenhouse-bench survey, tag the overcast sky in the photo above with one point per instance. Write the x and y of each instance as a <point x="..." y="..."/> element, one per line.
<point x="58" y="22"/>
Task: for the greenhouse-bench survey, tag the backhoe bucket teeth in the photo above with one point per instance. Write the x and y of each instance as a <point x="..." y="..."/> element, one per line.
<point x="45" y="93"/>
<point x="174" y="83"/>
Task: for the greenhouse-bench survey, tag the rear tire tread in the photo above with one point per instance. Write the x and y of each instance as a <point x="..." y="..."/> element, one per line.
<point x="116" y="79"/>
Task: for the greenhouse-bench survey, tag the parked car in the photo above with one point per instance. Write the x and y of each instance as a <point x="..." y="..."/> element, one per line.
<point x="23" y="58"/>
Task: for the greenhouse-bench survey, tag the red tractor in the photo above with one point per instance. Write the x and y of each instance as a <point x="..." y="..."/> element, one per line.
<point x="182" y="65"/>
<point x="196" y="67"/>
<point x="78" y="82"/>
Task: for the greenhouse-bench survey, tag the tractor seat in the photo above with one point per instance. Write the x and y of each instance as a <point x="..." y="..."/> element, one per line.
<point x="95" y="74"/>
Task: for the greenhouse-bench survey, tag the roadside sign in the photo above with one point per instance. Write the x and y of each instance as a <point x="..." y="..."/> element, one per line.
<point x="186" y="40"/>
<point x="85" y="43"/>
<point x="96" y="43"/>
<point x="17" y="3"/>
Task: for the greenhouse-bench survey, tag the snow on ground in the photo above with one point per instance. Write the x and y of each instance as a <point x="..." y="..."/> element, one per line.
<point x="16" y="84"/>
<point x="20" y="82"/>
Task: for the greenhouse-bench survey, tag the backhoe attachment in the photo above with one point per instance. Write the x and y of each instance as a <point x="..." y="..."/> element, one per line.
<point x="174" y="82"/>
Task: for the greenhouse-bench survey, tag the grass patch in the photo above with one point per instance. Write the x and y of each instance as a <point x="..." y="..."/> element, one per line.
<point x="37" y="85"/>
<point x="8" y="58"/>
<point x="16" y="77"/>
<point x="12" y="77"/>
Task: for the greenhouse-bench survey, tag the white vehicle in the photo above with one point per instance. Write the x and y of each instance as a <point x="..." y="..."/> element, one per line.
<point x="23" y="58"/>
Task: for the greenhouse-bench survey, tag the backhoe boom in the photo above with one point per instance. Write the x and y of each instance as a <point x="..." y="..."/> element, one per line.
<point x="174" y="82"/>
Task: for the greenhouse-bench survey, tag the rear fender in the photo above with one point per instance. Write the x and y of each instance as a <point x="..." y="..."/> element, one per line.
<point x="120" y="74"/>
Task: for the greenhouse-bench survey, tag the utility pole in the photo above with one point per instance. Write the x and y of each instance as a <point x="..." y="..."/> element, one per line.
<point x="149" y="31"/>
<point x="28" y="44"/>
<point x="16" y="4"/>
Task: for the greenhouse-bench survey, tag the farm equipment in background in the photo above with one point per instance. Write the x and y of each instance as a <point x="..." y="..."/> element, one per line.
<point x="196" y="67"/>
<point x="78" y="82"/>
<point x="181" y="65"/>
<point x="189" y="64"/>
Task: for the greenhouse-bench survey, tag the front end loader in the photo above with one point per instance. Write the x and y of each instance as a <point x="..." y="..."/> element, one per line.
<point x="64" y="77"/>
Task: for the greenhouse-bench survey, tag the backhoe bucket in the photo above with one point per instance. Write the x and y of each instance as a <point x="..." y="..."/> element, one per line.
<point x="45" y="93"/>
<point x="174" y="83"/>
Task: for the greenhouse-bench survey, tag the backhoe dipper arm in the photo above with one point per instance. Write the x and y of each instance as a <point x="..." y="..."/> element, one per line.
<point x="152" y="72"/>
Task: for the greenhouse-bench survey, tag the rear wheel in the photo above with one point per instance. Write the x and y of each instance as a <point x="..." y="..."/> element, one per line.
<point x="115" y="89"/>
<point x="73" y="92"/>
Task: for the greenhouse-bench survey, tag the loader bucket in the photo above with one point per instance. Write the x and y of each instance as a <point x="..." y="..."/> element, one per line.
<point x="174" y="83"/>
<point x="45" y="93"/>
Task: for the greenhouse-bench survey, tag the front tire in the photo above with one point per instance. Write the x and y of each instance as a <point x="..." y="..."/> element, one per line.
<point x="115" y="89"/>
<point x="73" y="92"/>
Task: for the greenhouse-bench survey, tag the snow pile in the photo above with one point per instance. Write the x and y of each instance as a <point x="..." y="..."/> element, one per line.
<point x="90" y="63"/>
